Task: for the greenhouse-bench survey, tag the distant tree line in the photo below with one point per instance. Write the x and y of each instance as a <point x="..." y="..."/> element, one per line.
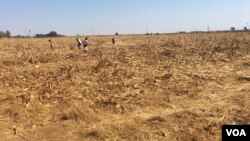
<point x="50" y="34"/>
<point x="234" y="29"/>
<point x="5" y="34"/>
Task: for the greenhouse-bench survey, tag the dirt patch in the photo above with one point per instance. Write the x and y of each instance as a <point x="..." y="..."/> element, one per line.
<point x="164" y="87"/>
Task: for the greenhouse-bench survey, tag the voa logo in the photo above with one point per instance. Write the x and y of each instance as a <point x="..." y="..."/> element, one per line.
<point x="236" y="132"/>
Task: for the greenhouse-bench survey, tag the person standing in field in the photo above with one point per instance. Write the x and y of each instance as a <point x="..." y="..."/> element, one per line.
<point x="85" y="45"/>
<point x="51" y="44"/>
<point x="79" y="43"/>
<point x="113" y="40"/>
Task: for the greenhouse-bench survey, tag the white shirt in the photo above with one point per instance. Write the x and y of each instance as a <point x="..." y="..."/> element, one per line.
<point x="79" y="41"/>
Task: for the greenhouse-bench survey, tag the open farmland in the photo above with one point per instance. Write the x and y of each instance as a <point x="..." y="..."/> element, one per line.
<point x="176" y="87"/>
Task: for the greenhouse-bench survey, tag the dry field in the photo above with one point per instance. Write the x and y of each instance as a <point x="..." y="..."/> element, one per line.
<point x="179" y="87"/>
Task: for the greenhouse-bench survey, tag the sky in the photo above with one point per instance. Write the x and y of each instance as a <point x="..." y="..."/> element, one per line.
<point x="85" y="17"/>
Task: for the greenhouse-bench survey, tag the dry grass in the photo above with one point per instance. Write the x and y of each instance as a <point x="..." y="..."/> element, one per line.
<point x="165" y="87"/>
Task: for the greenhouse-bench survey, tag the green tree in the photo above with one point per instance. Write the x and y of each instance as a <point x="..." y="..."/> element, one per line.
<point x="232" y="28"/>
<point x="8" y="34"/>
<point x="245" y="28"/>
<point x="52" y="34"/>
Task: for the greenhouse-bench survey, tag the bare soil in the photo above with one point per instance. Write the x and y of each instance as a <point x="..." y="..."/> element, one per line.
<point x="179" y="87"/>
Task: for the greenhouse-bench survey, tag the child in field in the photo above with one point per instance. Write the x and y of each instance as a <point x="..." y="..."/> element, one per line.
<point x="85" y="45"/>
<point x="79" y="43"/>
<point x="113" y="40"/>
<point x="51" y="44"/>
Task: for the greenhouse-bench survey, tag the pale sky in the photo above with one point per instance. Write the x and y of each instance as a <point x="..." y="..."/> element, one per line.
<point x="71" y="17"/>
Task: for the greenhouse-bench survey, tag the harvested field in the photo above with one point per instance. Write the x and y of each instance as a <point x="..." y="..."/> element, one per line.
<point x="176" y="87"/>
